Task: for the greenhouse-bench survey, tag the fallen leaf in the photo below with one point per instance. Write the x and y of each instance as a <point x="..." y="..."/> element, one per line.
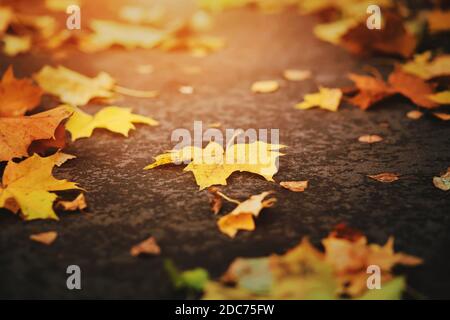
<point x="45" y="25"/>
<point x="30" y="183"/>
<point x="267" y="86"/>
<point x="296" y="74"/>
<point x="328" y="99"/>
<point x="108" y="33"/>
<point x="443" y="182"/>
<point x="145" y="69"/>
<point x="17" y="96"/>
<point x="414" y="114"/>
<point x="370" y="138"/>
<point x="46" y="238"/>
<point x="14" y="45"/>
<point x="385" y="177"/>
<point x="17" y="133"/>
<point x="136" y="93"/>
<point x="442" y="116"/>
<point x="440" y="97"/>
<point x="426" y="68"/>
<point x="194" y="279"/>
<point x="79" y="203"/>
<point x="332" y="32"/>
<point x="371" y="91"/>
<point x="148" y="246"/>
<point x="296" y="186"/>
<point x="153" y="15"/>
<point x="186" y="90"/>
<point x="213" y="165"/>
<point x="72" y="87"/>
<point x="115" y="119"/>
<point x="46" y="146"/>
<point x="215" y="200"/>
<point x="6" y="16"/>
<point x="60" y="5"/>
<point x="241" y="218"/>
<point x="438" y="21"/>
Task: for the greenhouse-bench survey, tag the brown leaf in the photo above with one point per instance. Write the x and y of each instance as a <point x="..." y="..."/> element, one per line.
<point x="215" y="200"/>
<point x="370" y="138"/>
<point x="45" y="146"/>
<point x="386" y="177"/>
<point x="371" y="91"/>
<point x="79" y="203"/>
<point x="296" y="186"/>
<point x="438" y="20"/>
<point x="393" y="38"/>
<point x="17" y="133"/>
<point x="148" y="246"/>
<point x="442" y="116"/>
<point x="46" y="238"/>
<point x="17" y="96"/>
<point x="414" y="115"/>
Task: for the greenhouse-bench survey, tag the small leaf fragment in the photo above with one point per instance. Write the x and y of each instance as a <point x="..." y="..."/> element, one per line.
<point x="443" y="182"/>
<point x="266" y="86"/>
<point x="296" y="74"/>
<point x="295" y="186"/>
<point x="386" y="177"/>
<point x="414" y="114"/>
<point x="328" y="99"/>
<point x="79" y="203"/>
<point x="46" y="238"/>
<point x="370" y="138"/>
<point x="148" y="247"/>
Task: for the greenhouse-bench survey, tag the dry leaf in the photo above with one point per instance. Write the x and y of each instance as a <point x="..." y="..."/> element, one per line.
<point x="17" y="133"/>
<point x="296" y="186"/>
<point x="153" y="15"/>
<point x="17" y="96"/>
<point x="328" y="99"/>
<point x="45" y="26"/>
<point x="14" y="45"/>
<point x="46" y="146"/>
<point x="46" y="238"/>
<point x="443" y="182"/>
<point x="440" y="97"/>
<point x="74" y="88"/>
<point x="442" y="116"/>
<point x="136" y="93"/>
<point x="296" y="74"/>
<point x="186" y="90"/>
<point x="267" y="86"/>
<point x="6" y="16"/>
<point x="386" y="177"/>
<point x="241" y="218"/>
<point x="115" y="119"/>
<point x="371" y="91"/>
<point x="30" y="182"/>
<point x="148" y="246"/>
<point x="79" y="203"/>
<point x="215" y="200"/>
<point x="414" y="115"/>
<point x="213" y="165"/>
<point x="61" y="5"/>
<point x="108" y="33"/>
<point x="438" y="21"/>
<point x="333" y="31"/>
<point x="425" y="68"/>
<point x="370" y="138"/>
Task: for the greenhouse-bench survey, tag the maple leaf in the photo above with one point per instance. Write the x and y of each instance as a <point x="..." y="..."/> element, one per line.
<point x="442" y="97"/>
<point x="29" y="184"/>
<point x="107" y="33"/>
<point x="425" y="68"/>
<point x="326" y="98"/>
<point x="46" y="238"/>
<point x="148" y="246"/>
<point x="17" y="133"/>
<point x="438" y="21"/>
<point x="115" y="119"/>
<point x="241" y="218"/>
<point x="79" y="203"/>
<point x="371" y="91"/>
<point x="213" y="165"/>
<point x="443" y="182"/>
<point x="17" y="96"/>
<point x="74" y="88"/>
<point x="14" y="45"/>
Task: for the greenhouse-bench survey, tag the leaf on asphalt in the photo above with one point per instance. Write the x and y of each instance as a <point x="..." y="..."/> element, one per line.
<point x="17" y="133"/>
<point x="328" y="99"/>
<point x="370" y="91"/>
<point x="72" y="87"/>
<point x="194" y="279"/>
<point x="241" y="218"/>
<point x="295" y="186"/>
<point x="414" y="114"/>
<point x="78" y="204"/>
<point x="46" y="238"/>
<point x="17" y="96"/>
<point x="215" y="200"/>
<point x="213" y="165"/>
<point x="386" y="177"/>
<point x="426" y="68"/>
<point x="443" y="182"/>
<point x="370" y="138"/>
<point x="108" y="33"/>
<point x="114" y="119"/>
<point x="442" y="116"/>
<point x="296" y="74"/>
<point x="442" y="97"/>
<point x="266" y="86"/>
<point x="6" y="16"/>
<point x="30" y="183"/>
<point x="438" y="21"/>
<point x="146" y="247"/>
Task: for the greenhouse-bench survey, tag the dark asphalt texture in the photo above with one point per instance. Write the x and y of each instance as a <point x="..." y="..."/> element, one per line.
<point x="128" y="204"/>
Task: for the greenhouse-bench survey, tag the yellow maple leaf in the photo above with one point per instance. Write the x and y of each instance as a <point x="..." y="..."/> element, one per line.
<point x="241" y="218"/>
<point x="115" y="119"/>
<point x="109" y="33"/>
<point x="426" y="68"/>
<point x="29" y="183"/>
<point x="442" y="97"/>
<point x="72" y="87"/>
<point x="13" y="45"/>
<point x="213" y="165"/>
<point x="326" y="98"/>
